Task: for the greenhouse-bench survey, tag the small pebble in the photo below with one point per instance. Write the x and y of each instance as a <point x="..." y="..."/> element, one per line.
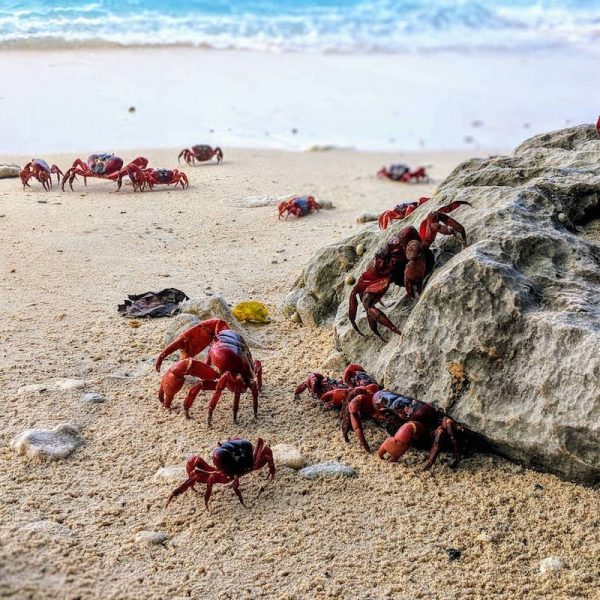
<point x="296" y="318"/>
<point x="286" y="455"/>
<point x="93" y="397"/>
<point x="327" y="470"/>
<point x="561" y="217"/>
<point x="360" y="249"/>
<point x="151" y="538"/>
<point x="131" y="109"/>
<point x="350" y="280"/>
<point x="551" y="564"/>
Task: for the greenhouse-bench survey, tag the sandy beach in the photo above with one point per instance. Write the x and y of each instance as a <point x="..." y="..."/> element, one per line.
<point x="68" y="529"/>
<point x="410" y="101"/>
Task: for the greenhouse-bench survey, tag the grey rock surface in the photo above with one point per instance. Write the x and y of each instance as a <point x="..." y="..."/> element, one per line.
<point x="327" y="470"/>
<point x="9" y="170"/>
<point x="506" y="335"/>
<point x="321" y="286"/>
<point x="50" y="444"/>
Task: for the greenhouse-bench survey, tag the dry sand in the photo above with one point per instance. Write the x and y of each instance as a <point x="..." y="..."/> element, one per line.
<point x="67" y="259"/>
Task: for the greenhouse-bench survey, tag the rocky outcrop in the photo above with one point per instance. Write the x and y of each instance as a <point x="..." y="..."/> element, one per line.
<point x="506" y="335"/>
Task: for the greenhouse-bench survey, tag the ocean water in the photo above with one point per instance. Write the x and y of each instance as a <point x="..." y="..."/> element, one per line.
<point x="345" y="26"/>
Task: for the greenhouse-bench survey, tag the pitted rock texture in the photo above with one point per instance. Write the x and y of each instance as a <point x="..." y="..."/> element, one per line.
<point x="506" y="335"/>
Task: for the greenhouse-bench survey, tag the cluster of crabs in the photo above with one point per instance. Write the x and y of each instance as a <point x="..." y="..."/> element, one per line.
<point x="405" y="260"/>
<point x="113" y="168"/>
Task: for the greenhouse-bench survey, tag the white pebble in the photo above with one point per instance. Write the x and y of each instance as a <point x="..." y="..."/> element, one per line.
<point x="286" y="455"/>
<point x="551" y="564"/>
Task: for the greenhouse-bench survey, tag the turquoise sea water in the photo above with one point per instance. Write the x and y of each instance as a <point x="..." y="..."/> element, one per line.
<point x="303" y="25"/>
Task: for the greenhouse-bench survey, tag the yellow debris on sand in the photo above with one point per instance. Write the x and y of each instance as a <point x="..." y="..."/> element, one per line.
<point x="251" y="311"/>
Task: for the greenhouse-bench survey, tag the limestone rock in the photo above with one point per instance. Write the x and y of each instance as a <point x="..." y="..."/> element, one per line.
<point x="215" y="307"/>
<point x="178" y="324"/>
<point x="9" y="170"/>
<point x="335" y="363"/>
<point x="151" y="538"/>
<point x="506" y="335"/>
<point x="320" y="288"/>
<point x="51" y="444"/>
<point x="327" y="470"/>
<point x="286" y="455"/>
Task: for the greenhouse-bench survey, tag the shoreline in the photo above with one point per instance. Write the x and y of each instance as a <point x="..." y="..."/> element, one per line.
<point x="185" y="96"/>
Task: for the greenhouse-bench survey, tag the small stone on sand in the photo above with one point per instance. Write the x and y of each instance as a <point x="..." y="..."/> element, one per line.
<point x="327" y="470"/>
<point x="52" y="444"/>
<point x="151" y="538"/>
<point x="286" y="455"/>
<point x="551" y="564"/>
<point x="93" y="397"/>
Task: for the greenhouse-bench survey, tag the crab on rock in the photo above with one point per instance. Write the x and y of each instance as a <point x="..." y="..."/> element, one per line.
<point x="200" y="153"/>
<point x="333" y="392"/>
<point x="148" y="178"/>
<point x="409" y="421"/>
<point x="192" y="341"/>
<point x="231" y="459"/>
<point x="106" y="166"/>
<point x="38" y="168"/>
<point x="405" y="260"/>
<point x="229" y="365"/>
<point x="402" y="173"/>
<point x="400" y="211"/>
<point x="299" y="206"/>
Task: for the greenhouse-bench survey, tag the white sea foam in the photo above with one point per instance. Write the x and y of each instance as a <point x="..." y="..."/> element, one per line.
<point x="307" y="25"/>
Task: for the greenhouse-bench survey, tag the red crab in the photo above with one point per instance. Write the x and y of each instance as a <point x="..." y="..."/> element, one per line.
<point x="402" y="173"/>
<point x="232" y="459"/>
<point x="39" y="169"/>
<point x="598" y="126"/>
<point x="192" y="341"/>
<point x="200" y="153"/>
<point x="409" y="421"/>
<point x="106" y="166"/>
<point x="332" y="391"/>
<point x="148" y="178"/>
<point x="229" y="365"/>
<point x="299" y="206"/>
<point x="399" y="212"/>
<point x="405" y="260"/>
